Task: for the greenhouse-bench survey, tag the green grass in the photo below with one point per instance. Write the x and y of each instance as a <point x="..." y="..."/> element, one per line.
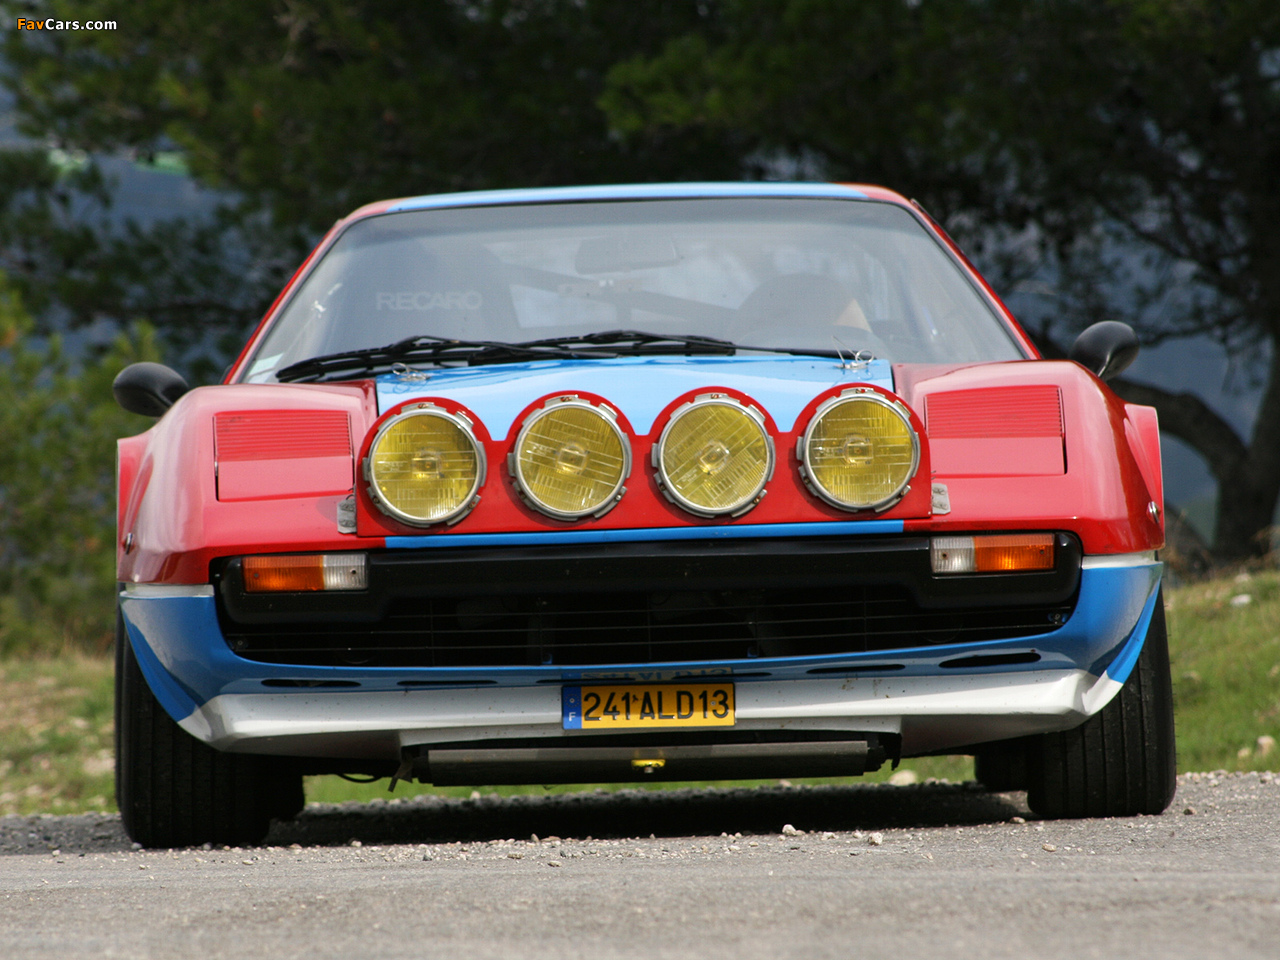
<point x="1225" y="659"/>
<point x="56" y="715"/>
<point x="56" y="735"/>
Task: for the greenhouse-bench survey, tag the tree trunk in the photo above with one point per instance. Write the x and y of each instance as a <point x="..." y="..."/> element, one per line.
<point x="1248" y="475"/>
<point x="1249" y="487"/>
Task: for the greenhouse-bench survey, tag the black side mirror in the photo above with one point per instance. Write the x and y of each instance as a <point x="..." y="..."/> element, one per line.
<point x="148" y="388"/>
<point x="1106" y="348"/>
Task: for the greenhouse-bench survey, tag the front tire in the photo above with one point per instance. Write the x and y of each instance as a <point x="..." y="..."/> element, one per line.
<point x="1121" y="761"/>
<point x="175" y="791"/>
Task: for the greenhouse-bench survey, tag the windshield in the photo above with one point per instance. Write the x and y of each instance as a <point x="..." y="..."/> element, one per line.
<point x="764" y="273"/>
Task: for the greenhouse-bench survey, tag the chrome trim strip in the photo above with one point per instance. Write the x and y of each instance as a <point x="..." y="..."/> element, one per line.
<point x="1105" y="561"/>
<point x="152" y="591"/>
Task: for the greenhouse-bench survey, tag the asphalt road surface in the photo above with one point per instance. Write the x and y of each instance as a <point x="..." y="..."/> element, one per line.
<point x="931" y="870"/>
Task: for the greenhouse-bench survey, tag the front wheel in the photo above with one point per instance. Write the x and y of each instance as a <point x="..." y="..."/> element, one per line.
<point x="175" y="791"/>
<point x="1121" y="761"/>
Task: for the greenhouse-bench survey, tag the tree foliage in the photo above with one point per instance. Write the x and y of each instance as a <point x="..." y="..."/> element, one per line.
<point x="298" y="111"/>
<point x="308" y="108"/>
<point x="57" y="485"/>
<point x="1160" y="126"/>
<point x="1122" y="151"/>
<point x="202" y="283"/>
<point x="1135" y="144"/>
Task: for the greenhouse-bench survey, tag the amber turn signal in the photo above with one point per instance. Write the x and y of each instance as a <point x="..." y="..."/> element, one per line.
<point x="992" y="553"/>
<point x="300" y="574"/>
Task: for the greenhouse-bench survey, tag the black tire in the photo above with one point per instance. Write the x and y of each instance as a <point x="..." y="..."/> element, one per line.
<point x="1120" y="762"/>
<point x="175" y="791"/>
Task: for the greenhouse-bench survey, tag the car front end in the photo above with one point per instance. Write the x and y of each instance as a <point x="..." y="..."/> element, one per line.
<point x="711" y="550"/>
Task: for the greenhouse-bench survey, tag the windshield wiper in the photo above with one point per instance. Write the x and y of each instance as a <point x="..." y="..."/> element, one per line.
<point x="639" y="343"/>
<point x="634" y="343"/>
<point x="441" y="351"/>
<point x="436" y="350"/>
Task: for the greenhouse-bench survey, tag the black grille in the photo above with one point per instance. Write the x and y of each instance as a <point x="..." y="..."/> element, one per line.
<point x="578" y="629"/>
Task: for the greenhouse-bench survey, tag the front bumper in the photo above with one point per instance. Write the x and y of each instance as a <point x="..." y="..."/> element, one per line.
<point x="632" y="603"/>
<point x="935" y="698"/>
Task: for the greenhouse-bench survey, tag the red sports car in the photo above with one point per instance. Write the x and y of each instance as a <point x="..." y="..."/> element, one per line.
<point x="636" y="483"/>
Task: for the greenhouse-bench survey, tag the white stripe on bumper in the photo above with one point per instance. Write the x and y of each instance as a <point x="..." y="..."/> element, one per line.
<point x="931" y="713"/>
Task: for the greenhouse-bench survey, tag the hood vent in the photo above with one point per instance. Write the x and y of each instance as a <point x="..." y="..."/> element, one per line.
<point x="997" y="432"/>
<point x="279" y="454"/>
<point x="1022" y="411"/>
<point x="282" y="434"/>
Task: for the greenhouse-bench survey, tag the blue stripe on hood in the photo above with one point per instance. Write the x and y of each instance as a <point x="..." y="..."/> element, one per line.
<point x="639" y="387"/>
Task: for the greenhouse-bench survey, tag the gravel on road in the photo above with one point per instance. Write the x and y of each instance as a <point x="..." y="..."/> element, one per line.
<point x="865" y="870"/>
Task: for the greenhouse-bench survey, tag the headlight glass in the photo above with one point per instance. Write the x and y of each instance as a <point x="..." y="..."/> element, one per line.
<point x="425" y="466"/>
<point x="570" y="459"/>
<point x="715" y="456"/>
<point x="860" y="451"/>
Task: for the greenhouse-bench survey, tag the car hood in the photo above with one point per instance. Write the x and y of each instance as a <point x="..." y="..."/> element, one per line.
<point x="640" y="387"/>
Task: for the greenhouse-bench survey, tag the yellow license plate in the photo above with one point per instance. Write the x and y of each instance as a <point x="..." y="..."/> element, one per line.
<point x="615" y="707"/>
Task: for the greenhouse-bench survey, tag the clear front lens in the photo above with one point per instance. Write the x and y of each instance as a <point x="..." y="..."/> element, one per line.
<point x="345" y="571"/>
<point x="952" y="555"/>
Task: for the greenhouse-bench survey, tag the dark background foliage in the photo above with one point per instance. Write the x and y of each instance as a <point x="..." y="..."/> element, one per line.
<point x="1121" y="155"/>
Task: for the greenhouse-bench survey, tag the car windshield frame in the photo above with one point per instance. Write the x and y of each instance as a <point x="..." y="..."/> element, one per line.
<point x="795" y="275"/>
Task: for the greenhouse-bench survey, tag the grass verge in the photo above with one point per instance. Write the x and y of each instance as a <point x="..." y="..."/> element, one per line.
<point x="1224" y="647"/>
<point x="56" y="728"/>
<point x="56" y="714"/>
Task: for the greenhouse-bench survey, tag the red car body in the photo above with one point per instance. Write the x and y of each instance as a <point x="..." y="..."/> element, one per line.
<point x="1004" y="444"/>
